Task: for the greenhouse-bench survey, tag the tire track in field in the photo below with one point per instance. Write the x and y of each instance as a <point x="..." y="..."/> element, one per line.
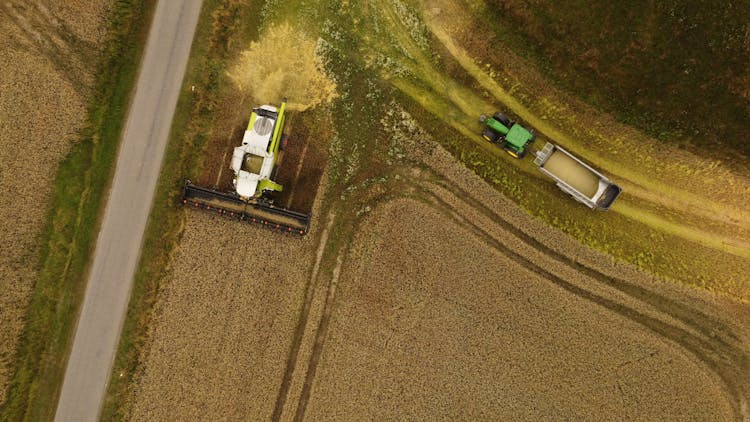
<point x="38" y="29"/>
<point x="299" y="331"/>
<point x="708" y="326"/>
<point x="725" y="360"/>
<point x="711" y="341"/>
<point x="320" y="336"/>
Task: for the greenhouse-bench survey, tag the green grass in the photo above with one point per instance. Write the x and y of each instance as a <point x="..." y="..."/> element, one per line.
<point x="215" y="44"/>
<point x="71" y="228"/>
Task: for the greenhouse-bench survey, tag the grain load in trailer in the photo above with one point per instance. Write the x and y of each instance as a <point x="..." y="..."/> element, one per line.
<point x="577" y="178"/>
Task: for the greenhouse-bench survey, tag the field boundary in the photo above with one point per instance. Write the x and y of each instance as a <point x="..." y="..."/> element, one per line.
<point x="70" y="230"/>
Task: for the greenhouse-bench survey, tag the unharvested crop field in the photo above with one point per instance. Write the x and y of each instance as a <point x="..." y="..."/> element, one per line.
<point x="46" y="53"/>
<point x="441" y="279"/>
<point x="222" y="358"/>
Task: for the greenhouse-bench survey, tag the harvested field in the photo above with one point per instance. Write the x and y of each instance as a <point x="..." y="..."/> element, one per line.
<point x="46" y="53"/>
<point x="445" y="305"/>
<point x="428" y="292"/>
<point x="431" y="321"/>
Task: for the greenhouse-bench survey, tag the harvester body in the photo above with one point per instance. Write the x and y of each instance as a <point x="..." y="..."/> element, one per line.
<point x="254" y="161"/>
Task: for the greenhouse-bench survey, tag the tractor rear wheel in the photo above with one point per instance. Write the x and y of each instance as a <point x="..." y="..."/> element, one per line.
<point x="500" y="117"/>
<point x="490" y="135"/>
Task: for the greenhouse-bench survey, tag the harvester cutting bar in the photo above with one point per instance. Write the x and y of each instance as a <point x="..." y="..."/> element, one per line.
<point x="252" y="211"/>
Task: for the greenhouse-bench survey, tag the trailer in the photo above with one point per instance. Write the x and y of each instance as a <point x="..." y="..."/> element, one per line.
<point x="577" y="178"/>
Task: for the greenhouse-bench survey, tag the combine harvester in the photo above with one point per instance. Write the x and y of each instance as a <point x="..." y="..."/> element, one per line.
<point x="255" y="164"/>
<point x="571" y="174"/>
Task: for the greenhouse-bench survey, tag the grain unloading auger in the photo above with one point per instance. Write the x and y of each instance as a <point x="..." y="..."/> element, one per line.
<point x="254" y="163"/>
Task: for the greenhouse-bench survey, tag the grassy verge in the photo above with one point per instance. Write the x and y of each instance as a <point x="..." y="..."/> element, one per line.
<point x="71" y="228"/>
<point x="218" y="27"/>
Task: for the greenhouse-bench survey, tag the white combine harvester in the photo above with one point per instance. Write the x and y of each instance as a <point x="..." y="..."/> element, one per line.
<point x="254" y="164"/>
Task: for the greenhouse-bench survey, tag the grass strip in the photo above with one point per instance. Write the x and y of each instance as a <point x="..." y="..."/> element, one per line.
<point x="72" y="224"/>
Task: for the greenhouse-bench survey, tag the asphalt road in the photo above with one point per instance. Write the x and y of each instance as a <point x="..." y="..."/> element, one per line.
<point x="119" y="243"/>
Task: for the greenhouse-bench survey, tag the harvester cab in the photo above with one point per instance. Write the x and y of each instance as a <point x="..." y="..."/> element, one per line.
<point x="511" y="136"/>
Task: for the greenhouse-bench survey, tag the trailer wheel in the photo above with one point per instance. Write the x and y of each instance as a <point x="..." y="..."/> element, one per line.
<point x="500" y="117"/>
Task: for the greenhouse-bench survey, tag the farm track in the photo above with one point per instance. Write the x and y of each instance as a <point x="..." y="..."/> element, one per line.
<point x="302" y="323"/>
<point x="707" y="325"/>
<point x="715" y="344"/>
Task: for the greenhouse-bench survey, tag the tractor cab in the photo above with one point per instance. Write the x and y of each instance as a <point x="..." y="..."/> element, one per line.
<point x="513" y="137"/>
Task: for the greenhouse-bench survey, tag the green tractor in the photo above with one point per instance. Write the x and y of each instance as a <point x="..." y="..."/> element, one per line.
<point x="514" y="138"/>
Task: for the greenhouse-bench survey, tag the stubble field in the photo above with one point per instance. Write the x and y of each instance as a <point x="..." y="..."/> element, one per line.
<point x="432" y="322"/>
<point x="46" y="51"/>
<point x="222" y="358"/>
